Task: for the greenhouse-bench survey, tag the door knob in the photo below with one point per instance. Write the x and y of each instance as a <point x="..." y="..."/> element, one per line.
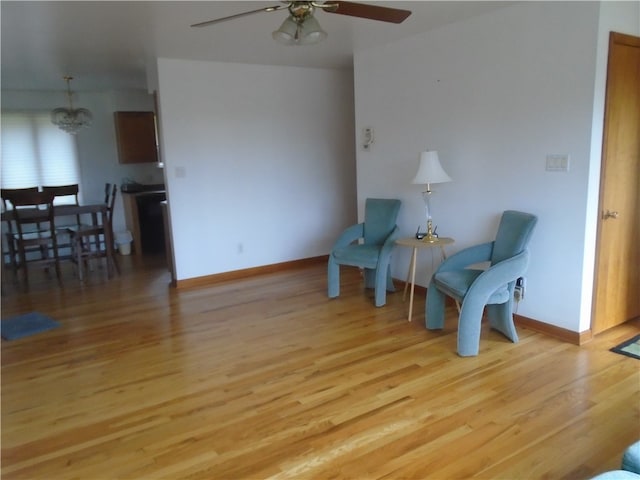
<point x="609" y="214"/>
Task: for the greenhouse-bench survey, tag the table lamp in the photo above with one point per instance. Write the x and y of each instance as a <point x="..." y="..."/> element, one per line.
<point x="430" y="171"/>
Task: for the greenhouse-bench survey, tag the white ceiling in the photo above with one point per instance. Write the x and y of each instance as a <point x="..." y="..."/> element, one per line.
<point x="106" y="45"/>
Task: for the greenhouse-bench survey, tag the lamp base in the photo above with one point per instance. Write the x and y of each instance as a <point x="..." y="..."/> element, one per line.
<point x="430" y="236"/>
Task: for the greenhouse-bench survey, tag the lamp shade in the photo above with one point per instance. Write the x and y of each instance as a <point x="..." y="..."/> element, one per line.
<point x="430" y="170"/>
<point x="287" y="32"/>
<point x="312" y="32"/>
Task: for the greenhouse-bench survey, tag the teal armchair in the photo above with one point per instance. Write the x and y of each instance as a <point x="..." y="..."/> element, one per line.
<point x="629" y="468"/>
<point x="378" y="232"/>
<point x="475" y="289"/>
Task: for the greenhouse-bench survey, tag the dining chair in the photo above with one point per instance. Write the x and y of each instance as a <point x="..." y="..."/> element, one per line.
<point x="9" y="230"/>
<point x="83" y="249"/>
<point x="457" y="277"/>
<point x="65" y="195"/>
<point x="35" y="237"/>
<point x="368" y="245"/>
<point x="6" y="192"/>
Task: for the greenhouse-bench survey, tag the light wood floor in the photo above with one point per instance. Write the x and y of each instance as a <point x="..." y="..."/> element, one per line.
<point x="267" y="378"/>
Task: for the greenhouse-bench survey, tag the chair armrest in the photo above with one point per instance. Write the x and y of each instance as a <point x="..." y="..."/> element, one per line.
<point x="500" y="274"/>
<point x="349" y="235"/>
<point x="467" y="256"/>
<point x="390" y="242"/>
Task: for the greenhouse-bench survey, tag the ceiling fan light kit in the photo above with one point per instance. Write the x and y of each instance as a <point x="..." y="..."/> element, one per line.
<point x="302" y="28"/>
<point x="292" y="32"/>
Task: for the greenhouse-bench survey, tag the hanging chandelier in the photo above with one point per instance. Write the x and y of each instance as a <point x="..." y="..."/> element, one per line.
<point x="69" y="119"/>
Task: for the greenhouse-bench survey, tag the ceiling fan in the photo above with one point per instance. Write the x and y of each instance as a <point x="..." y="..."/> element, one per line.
<point x="301" y="26"/>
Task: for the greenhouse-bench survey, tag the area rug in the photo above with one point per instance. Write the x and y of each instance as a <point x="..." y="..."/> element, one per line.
<point x="27" y="324"/>
<point x="630" y="348"/>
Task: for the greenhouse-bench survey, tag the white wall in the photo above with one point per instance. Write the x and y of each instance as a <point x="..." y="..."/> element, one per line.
<point x="494" y="95"/>
<point x="97" y="148"/>
<point x="259" y="162"/>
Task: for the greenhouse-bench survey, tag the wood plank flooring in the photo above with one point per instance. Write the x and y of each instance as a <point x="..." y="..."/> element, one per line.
<point x="266" y="378"/>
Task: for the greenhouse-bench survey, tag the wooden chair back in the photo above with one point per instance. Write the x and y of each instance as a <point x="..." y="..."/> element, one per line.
<point x="101" y="235"/>
<point x="8" y="226"/>
<point x="64" y="191"/>
<point x="31" y="208"/>
<point x="60" y="191"/>
<point x="110" y="192"/>
<point x="7" y="192"/>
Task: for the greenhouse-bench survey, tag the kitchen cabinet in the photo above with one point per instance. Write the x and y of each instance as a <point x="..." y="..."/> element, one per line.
<point x="136" y="137"/>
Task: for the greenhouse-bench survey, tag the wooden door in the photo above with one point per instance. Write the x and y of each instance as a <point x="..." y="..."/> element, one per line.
<point x="617" y="281"/>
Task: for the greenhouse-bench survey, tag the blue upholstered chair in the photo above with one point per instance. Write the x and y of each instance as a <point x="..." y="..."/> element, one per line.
<point x="379" y="232"/>
<point x="492" y="287"/>
<point x="629" y="468"/>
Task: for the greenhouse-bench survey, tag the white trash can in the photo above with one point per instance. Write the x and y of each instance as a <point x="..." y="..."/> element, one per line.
<point x="123" y="241"/>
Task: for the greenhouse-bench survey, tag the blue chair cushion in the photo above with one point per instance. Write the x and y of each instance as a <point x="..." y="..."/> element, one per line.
<point x="630" y="468"/>
<point x="617" y="475"/>
<point x="365" y="256"/>
<point x="456" y="283"/>
<point x="631" y="458"/>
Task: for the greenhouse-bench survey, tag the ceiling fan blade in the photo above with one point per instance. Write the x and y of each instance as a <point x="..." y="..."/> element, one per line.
<point x="238" y="15"/>
<point x="372" y="12"/>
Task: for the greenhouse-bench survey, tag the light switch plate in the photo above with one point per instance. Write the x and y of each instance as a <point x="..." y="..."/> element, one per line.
<point x="557" y="162"/>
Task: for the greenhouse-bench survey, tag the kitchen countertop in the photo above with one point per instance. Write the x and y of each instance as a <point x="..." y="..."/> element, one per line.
<point x="135" y="188"/>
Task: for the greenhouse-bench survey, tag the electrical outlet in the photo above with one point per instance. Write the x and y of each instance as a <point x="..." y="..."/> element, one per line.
<point x="518" y="291"/>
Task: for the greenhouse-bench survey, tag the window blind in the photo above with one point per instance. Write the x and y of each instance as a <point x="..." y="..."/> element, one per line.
<point x="36" y="153"/>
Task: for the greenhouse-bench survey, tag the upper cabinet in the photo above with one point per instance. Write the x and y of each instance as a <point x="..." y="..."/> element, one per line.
<point x="136" y="137"/>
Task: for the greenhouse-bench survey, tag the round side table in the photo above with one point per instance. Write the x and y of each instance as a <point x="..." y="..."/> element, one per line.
<point x="418" y="244"/>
